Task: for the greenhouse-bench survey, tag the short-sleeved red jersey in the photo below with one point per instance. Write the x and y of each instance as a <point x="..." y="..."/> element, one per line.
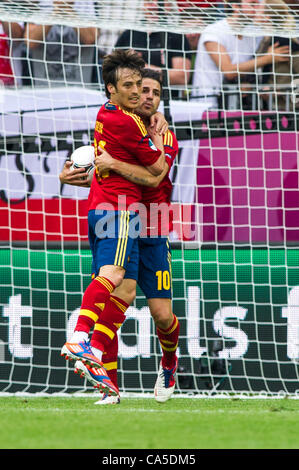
<point x="124" y="136"/>
<point x="161" y="195"/>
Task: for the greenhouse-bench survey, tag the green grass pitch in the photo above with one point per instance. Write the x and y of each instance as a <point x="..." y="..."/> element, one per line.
<point x="141" y="423"/>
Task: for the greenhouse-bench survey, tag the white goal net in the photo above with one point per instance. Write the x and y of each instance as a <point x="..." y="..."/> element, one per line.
<point x="231" y="75"/>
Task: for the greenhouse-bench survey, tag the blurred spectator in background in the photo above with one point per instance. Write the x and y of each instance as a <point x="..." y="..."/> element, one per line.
<point x="192" y="15"/>
<point x="191" y="19"/>
<point x="15" y="31"/>
<point x="223" y="55"/>
<point x="105" y="44"/>
<point x="106" y="11"/>
<point x="175" y="57"/>
<point x="293" y="5"/>
<point x="62" y="54"/>
<point x="11" y="41"/>
<point x="107" y="40"/>
<point x="281" y="76"/>
<point x="107" y="37"/>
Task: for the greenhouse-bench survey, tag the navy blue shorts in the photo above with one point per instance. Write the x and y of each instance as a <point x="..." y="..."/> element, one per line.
<point x="154" y="275"/>
<point x="113" y="240"/>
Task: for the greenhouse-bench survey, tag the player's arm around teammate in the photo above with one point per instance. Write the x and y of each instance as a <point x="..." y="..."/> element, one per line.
<point x="135" y="173"/>
<point x="78" y="177"/>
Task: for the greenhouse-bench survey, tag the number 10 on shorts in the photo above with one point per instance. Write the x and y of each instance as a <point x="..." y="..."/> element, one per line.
<point x="163" y="280"/>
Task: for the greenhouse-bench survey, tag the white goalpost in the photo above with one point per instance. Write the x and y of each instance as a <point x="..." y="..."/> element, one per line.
<point x="235" y="198"/>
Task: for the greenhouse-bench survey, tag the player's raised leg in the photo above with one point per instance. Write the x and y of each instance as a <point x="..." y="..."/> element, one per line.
<point x="98" y="377"/>
<point x="109" y="360"/>
<point x="96" y="295"/>
<point x="104" y="342"/>
<point x="96" y="298"/>
<point x="122" y="297"/>
<point x="103" y="338"/>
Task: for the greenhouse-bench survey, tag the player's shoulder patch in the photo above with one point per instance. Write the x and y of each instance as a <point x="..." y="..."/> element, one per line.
<point x="137" y="119"/>
<point x="110" y="106"/>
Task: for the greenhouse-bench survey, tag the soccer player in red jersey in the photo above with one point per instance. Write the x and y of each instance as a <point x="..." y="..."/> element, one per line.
<point x="154" y="251"/>
<point x="154" y="190"/>
<point x="113" y="229"/>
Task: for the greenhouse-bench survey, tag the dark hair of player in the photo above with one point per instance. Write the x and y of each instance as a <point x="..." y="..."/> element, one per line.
<point x="120" y="59"/>
<point x="153" y="74"/>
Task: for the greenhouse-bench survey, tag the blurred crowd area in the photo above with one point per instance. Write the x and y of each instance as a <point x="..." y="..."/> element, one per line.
<point x="217" y="66"/>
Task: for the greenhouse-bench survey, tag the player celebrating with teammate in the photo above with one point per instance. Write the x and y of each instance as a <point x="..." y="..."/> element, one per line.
<point x="156" y="189"/>
<point x="124" y="135"/>
<point x="154" y="276"/>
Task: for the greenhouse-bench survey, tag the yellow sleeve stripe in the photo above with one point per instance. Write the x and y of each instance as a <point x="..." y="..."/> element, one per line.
<point x="140" y="125"/>
<point x="138" y="121"/>
<point x="104" y="329"/>
<point x="89" y="314"/>
<point x="168" y="139"/>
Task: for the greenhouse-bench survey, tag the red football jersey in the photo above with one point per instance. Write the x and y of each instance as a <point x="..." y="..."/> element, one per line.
<point x="124" y="136"/>
<point x="159" y="219"/>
